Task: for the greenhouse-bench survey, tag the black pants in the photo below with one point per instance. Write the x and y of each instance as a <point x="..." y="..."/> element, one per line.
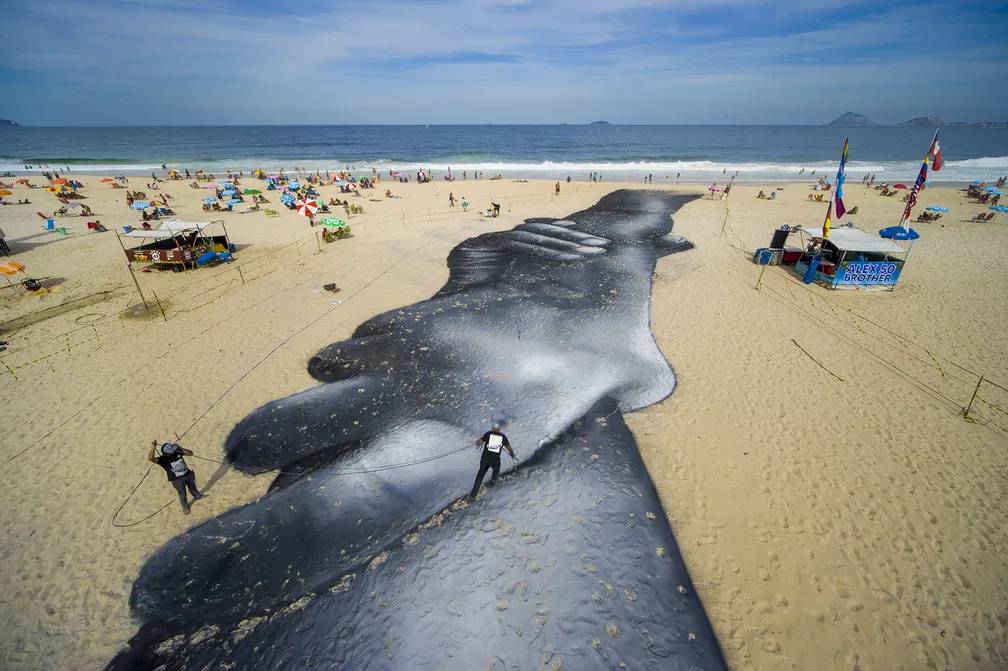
<point x="487" y="463"/>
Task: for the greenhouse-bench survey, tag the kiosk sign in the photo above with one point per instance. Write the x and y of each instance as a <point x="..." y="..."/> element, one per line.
<point x="871" y="272"/>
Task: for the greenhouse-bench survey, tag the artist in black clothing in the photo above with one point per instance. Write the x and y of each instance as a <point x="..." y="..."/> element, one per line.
<point x="179" y="473"/>
<point x="493" y="440"/>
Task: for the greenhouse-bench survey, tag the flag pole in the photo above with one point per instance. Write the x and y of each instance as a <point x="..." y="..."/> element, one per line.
<point x="918" y="183"/>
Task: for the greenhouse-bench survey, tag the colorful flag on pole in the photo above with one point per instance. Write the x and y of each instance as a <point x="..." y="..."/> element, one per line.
<point x="826" y="224"/>
<point x="933" y="153"/>
<point x="840" y="176"/>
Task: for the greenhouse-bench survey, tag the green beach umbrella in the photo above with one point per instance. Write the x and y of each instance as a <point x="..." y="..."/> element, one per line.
<point x="251" y="191"/>
<point x="333" y="221"/>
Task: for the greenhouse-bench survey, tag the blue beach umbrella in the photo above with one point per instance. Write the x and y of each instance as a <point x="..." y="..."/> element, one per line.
<point x="999" y="208"/>
<point x="140" y="205"/>
<point x="899" y="233"/>
<point x="233" y="201"/>
<point x="937" y="208"/>
<point x="209" y="200"/>
<point x="991" y="189"/>
<point x="294" y="185"/>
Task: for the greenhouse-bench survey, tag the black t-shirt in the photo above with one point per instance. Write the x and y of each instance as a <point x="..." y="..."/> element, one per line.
<point x="492" y="443"/>
<point x="174" y="465"/>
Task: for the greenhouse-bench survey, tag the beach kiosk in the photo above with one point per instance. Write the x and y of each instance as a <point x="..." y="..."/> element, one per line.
<point x="850" y="258"/>
<point x="177" y="244"/>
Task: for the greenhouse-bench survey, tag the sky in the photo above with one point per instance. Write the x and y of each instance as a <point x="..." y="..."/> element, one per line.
<point x="162" y="62"/>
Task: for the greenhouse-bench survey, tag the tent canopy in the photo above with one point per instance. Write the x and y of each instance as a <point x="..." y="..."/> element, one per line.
<point x="850" y="239"/>
<point x="169" y="229"/>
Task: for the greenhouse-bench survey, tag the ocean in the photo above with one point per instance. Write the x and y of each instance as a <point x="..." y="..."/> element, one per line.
<point x="618" y="152"/>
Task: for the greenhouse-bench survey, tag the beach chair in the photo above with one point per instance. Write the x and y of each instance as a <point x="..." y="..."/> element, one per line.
<point x="271" y="212"/>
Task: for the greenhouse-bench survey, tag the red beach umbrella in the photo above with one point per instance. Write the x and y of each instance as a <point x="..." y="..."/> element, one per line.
<point x="307" y="207"/>
<point x="899" y="186"/>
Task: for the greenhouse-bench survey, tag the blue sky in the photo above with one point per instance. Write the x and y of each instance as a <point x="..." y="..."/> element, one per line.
<point x="114" y="62"/>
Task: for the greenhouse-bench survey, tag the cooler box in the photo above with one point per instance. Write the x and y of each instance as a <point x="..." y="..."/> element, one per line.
<point x="790" y="256"/>
<point x="763" y="256"/>
<point x="827" y="267"/>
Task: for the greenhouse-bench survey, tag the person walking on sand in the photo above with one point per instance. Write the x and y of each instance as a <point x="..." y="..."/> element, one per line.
<point x="179" y="474"/>
<point x="556" y="189"/>
<point x="451" y="199"/>
<point x="493" y="440"/>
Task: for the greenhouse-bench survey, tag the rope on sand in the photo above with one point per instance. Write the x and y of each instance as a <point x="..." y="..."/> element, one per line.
<point x="816" y="360"/>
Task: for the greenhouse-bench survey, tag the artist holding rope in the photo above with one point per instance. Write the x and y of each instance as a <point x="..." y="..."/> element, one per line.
<point x="493" y="440"/>
<point x="179" y="474"/>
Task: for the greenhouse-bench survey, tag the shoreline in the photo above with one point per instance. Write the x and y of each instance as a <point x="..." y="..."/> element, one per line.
<point x="620" y="180"/>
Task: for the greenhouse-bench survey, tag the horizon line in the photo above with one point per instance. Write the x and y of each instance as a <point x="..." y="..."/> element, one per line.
<point x="952" y="124"/>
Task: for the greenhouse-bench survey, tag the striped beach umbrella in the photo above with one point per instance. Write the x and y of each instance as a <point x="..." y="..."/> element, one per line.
<point x="307" y="207"/>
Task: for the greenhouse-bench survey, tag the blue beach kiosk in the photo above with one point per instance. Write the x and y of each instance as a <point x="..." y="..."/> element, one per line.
<point x="851" y="258"/>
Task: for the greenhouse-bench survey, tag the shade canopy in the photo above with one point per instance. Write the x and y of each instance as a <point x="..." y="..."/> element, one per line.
<point x="169" y="229"/>
<point x="850" y="239"/>
<point x="11" y="267"/>
<point x="937" y="208"/>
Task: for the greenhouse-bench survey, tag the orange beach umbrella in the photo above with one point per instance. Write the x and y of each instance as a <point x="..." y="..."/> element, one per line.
<point x="107" y="179"/>
<point x="59" y="181"/>
<point x="5" y="192"/>
<point x="23" y="180"/>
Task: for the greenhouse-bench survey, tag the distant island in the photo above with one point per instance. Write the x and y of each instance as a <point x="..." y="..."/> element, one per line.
<point x="859" y="120"/>
<point x="937" y="122"/>
<point x="8" y="122"/>
<point x="852" y="119"/>
<point x="599" y="123"/>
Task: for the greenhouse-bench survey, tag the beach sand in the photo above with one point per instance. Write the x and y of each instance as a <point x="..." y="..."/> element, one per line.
<point x="839" y="514"/>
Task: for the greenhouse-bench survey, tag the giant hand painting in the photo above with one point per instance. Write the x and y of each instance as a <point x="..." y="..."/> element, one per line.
<point x="348" y="564"/>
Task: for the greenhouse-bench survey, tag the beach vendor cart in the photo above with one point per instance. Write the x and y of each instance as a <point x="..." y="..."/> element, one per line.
<point x="177" y="245"/>
<point x="850" y="258"/>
